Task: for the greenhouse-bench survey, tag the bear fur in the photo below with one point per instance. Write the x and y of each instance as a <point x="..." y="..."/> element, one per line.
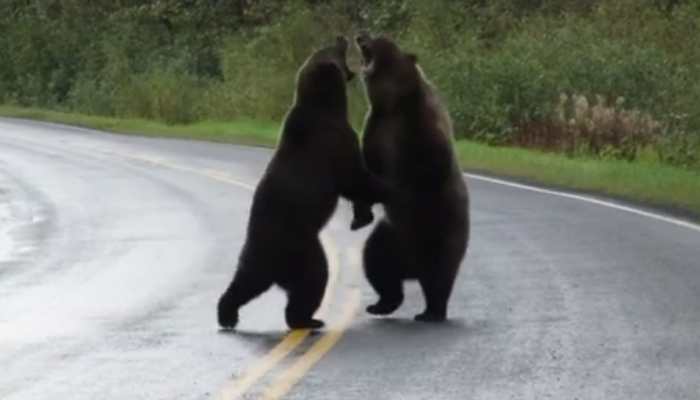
<point x="317" y="159"/>
<point x="407" y="142"/>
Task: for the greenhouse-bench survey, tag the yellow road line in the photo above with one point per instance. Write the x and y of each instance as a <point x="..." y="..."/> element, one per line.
<point x="285" y="382"/>
<point x="293" y="375"/>
<point x="236" y="388"/>
<point x="209" y="173"/>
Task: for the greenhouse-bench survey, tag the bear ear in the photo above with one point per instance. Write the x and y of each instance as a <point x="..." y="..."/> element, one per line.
<point x="341" y="42"/>
<point x="412" y="57"/>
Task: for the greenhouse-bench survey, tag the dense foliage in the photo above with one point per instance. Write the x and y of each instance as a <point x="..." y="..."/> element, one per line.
<point x="609" y="78"/>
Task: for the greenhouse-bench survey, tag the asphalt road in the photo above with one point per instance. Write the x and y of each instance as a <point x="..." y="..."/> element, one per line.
<point x="114" y="250"/>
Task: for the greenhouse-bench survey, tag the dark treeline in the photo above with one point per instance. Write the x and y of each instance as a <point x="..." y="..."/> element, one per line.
<point x="605" y="78"/>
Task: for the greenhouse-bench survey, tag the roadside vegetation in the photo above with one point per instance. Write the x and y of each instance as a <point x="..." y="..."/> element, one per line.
<point x="651" y="183"/>
<point x="605" y="92"/>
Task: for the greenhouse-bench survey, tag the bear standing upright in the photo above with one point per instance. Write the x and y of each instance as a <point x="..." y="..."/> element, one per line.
<point x="407" y="142"/>
<point x="317" y="160"/>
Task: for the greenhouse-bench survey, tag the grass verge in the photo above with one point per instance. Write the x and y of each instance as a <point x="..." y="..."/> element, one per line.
<point x="242" y="132"/>
<point x="674" y="189"/>
<point x="654" y="184"/>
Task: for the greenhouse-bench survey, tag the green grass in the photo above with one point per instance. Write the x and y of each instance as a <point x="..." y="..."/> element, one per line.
<point x="650" y="183"/>
<point x="643" y="182"/>
<point x="243" y="132"/>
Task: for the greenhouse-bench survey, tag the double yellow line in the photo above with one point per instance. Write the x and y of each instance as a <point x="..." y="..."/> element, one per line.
<point x="286" y="380"/>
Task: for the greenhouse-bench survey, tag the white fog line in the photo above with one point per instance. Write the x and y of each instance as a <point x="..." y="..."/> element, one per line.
<point x="588" y="199"/>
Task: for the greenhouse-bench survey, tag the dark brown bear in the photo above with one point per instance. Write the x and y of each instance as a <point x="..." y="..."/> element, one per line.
<point x="408" y="143"/>
<point x="317" y="160"/>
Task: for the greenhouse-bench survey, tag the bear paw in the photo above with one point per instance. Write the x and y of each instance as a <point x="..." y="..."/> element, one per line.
<point x="228" y="320"/>
<point x="306" y="324"/>
<point x="430" y="317"/>
<point x="383" y="307"/>
<point x="360" y="221"/>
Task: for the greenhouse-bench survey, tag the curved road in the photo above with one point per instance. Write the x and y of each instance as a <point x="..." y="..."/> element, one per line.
<point x="114" y="249"/>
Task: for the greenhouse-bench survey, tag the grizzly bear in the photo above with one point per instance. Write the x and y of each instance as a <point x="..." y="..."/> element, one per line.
<point x="317" y="159"/>
<point x="407" y="142"/>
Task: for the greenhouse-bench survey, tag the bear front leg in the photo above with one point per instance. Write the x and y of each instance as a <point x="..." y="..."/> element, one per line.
<point x="360" y="186"/>
<point x="362" y="215"/>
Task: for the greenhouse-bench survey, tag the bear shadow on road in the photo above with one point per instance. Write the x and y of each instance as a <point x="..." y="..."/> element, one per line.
<point x="260" y="338"/>
<point x="407" y="327"/>
<point x="408" y="324"/>
<point x="392" y="337"/>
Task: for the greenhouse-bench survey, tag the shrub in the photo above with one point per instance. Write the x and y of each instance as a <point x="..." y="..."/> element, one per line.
<point x="502" y="67"/>
<point x="163" y="93"/>
<point x="509" y="94"/>
<point x="259" y="68"/>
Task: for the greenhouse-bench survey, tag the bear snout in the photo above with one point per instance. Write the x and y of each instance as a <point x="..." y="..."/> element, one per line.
<point x="342" y="43"/>
<point x="362" y="38"/>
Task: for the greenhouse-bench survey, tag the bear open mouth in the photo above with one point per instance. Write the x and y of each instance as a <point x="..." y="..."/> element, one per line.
<point x="366" y="56"/>
<point x="363" y="41"/>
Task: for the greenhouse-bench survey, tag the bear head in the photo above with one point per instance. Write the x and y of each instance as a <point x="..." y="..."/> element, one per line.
<point x="322" y="78"/>
<point x="389" y="74"/>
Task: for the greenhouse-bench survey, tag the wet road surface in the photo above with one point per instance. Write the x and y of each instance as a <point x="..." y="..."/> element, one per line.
<point x="114" y="250"/>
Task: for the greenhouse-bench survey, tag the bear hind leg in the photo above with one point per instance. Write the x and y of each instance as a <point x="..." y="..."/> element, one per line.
<point x="248" y="283"/>
<point x="435" y="302"/>
<point x="437" y="286"/>
<point x="384" y="269"/>
<point x="305" y="291"/>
